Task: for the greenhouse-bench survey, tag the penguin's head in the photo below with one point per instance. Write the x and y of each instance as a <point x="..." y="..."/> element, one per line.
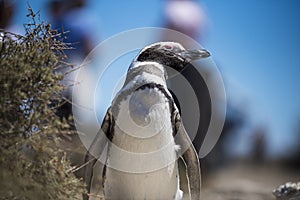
<point x="171" y="54"/>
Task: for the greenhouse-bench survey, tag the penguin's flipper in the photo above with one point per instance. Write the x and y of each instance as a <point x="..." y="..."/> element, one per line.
<point x="189" y="157"/>
<point x="96" y="149"/>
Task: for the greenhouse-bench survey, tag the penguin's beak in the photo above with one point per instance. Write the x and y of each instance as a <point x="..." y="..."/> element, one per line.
<point x="191" y="55"/>
<point x="187" y="56"/>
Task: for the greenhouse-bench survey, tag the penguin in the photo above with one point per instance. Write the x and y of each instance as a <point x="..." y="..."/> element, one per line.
<point x="143" y="119"/>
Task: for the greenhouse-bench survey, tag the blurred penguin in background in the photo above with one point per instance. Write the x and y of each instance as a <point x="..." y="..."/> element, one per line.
<point x="76" y="22"/>
<point x="189" y="18"/>
<point x="7" y="14"/>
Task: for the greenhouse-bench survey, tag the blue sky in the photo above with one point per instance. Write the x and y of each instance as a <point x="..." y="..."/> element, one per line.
<point x="256" y="45"/>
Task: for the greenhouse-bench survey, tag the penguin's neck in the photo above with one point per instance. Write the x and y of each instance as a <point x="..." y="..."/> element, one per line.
<point x="141" y="74"/>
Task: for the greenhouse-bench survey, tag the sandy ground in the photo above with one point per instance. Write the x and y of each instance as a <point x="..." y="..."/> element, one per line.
<point x="246" y="182"/>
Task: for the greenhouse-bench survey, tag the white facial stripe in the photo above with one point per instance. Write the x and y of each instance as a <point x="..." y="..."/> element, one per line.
<point x="140" y="64"/>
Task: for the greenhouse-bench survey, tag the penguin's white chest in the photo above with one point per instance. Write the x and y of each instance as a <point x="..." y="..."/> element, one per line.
<point x="142" y="161"/>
